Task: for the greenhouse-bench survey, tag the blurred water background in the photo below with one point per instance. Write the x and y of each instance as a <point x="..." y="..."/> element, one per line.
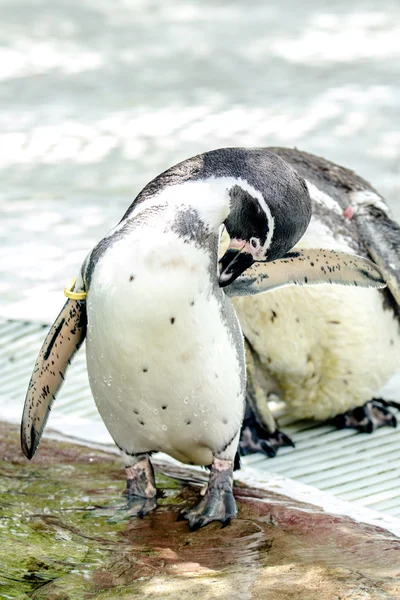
<point x="99" y="96"/>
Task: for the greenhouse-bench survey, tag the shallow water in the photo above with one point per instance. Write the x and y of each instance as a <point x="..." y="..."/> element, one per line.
<point x="57" y="545"/>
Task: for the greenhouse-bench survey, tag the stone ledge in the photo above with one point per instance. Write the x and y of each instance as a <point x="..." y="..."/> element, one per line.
<point x="57" y="545"/>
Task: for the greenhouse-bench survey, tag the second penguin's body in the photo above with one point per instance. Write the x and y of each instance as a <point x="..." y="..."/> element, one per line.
<point x="327" y="351"/>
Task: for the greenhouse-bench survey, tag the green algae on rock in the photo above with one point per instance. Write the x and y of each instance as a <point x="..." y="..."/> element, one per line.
<point x="57" y="545"/>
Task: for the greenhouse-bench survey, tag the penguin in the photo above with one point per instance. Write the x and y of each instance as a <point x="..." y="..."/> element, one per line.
<point x="325" y="351"/>
<point x="165" y="351"/>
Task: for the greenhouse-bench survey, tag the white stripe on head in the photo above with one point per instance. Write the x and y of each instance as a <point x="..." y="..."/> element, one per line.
<point x="271" y="227"/>
<point x="257" y="195"/>
<point x="358" y="200"/>
<point x="322" y="198"/>
<point x="361" y="198"/>
<point x="209" y="197"/>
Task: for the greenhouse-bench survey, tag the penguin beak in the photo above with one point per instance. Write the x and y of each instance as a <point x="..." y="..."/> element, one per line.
<point x="232" y="264"/>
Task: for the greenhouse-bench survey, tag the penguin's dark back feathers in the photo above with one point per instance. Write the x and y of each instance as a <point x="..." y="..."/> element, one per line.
<point x="259" y="167"/>
<point x="333" y="179"/>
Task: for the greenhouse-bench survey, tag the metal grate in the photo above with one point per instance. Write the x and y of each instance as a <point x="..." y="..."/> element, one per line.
<point x="359" y="468"/>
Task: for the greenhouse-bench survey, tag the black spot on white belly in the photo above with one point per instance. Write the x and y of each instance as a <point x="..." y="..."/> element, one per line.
<point x="172" y="319"/>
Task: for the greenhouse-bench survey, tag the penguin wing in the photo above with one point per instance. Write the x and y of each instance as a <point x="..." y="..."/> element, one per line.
<point x="307" y="267"/>
<point x="63" y="340"/>
<point x="381" y="236"/>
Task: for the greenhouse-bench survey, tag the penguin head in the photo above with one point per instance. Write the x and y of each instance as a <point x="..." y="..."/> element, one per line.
<point x="264" y="224"/>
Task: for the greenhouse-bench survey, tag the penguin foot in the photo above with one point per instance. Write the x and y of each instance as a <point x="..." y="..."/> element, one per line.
<point x="254" y="438"/>
<point x="140" y="492"/>
<point x="141" y="489"/>
<point x="137" y="506"/>
<point x="140" y="480"/>
<point x="218" y="503"/>
<point x="375" y="413"/>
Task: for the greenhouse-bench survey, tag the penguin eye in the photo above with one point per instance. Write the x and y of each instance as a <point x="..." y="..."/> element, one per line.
<point x="255" y="242"/>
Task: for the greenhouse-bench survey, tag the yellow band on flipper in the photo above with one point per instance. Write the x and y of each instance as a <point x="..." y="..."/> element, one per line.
<point x="74" y="295"/>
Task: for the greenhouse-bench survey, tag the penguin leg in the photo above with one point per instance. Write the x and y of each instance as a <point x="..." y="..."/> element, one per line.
<point x="141" y="489"/>
<point x="373" y="414"/>
<point x="218" y="502"/>
<point x="259" y="430"/>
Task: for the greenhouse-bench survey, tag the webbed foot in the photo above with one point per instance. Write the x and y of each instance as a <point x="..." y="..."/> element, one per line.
<point x="254" y="438"/>
<point x="141" y="492"/>
<point x="375" y="413"/>
<point x="136" y="506"/>
<point x="218" y="503"/>
<point x="139" y="506"/>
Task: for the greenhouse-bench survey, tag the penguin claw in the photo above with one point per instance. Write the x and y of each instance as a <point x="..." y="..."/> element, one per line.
<point x="266" y="448"/>
<point x="255" y="438"/>
<point x="374" y="414"/>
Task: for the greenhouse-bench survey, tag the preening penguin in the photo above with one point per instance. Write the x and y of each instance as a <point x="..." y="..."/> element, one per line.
<point x="165" y="352"/>
<point x="325" y="351"/>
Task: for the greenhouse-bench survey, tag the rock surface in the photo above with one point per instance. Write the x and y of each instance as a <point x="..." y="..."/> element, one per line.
<point x="63" y="536"/>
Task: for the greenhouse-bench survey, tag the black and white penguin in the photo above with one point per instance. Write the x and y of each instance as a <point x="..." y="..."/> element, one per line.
<point x="165" y="352"/>
<point x="326" y="351"/>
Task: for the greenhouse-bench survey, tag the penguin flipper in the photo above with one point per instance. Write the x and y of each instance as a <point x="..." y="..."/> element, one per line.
<point x="307" y="267"/>
<point x="381" y="236"/>
<point x="63" y="340"/>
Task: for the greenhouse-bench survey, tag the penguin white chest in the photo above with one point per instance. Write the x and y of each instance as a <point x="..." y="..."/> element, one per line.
<point x="163" y="367"/>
